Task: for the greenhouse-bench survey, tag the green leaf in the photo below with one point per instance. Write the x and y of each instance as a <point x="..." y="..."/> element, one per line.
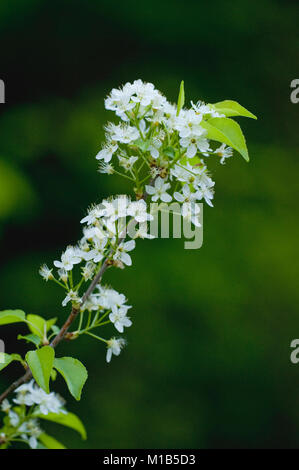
<point x="226" y="131"/>
<point x="31" y="339"/>
<point x="181" y="98"/>
<point x="66" y="419"/>
<point x="232" y="108"/>
<point x="49" y="442"/>
<point x="73" y="372"/>
<point x="11" y="316"/>
<point x="17" y="357"/>
<point x="41" y="363"/>
<point x="55" y="329"/>
<point x="6" y="359"/>
<point x="51" y="323"/>
<point x="38" y="325"/>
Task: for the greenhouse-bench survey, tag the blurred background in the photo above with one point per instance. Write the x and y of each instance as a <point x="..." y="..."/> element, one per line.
<point x="208" y="360"/>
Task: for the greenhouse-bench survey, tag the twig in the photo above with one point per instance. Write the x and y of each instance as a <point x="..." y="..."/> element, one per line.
<point x="73" y="315"/>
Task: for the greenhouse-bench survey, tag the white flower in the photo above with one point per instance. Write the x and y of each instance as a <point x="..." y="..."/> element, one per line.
<point x="106" y="296"/>
<point x="180" y="173"/>
<point x="24" y="394"/>
<point x="30" y="432"/>
<point x="5" y="406"/>
<point x="195" y="175"/>
<point x="186" y="195"/>
<point x="94" y="213"/>
<point x="224" y="152"/>
<point x="92" y="233"/>
<point x="146" y="94"/>
<point x="110" y="299"/>
<point x="142" y="127"/>
<point x="169" y="116"/>
<point x="185" y="174"/>
<point x="23" y="399"/>
<point x="106" y="168"/>
<point x="71" y="296"/>
<point x="190" y="211"/>
<point x="122" y="133"/>
<point x="115" y="227"/>
<point x="116" y="208"/>
<point x="87" y="254"/>
<point x="119" y="101"/>
<point x="189" y="124"/>
<point x="114" y="346"/>
<point x="202" y="108"/>
<point x="63" y="275"/>
<point x="93" y="303"/>
<point x="158" y="101"/>
<point x="154" y="148"/>
<point x="47" y="402"/>
<point x="120" y="307"/>
<point x="206" y="193"/>
<point x="99" y="249"/>
<point x="203" y="179"/>
<point x="121" y="252"/>
<point x="138" y="210"/>
<point x="192" y="144"/>
<point x="120" y="319"/>
<point x="107" y="152"/>
<point x="159" y="190"/>
<point x="45" y="272"/>
<point x="127" y="163"/>
<point x="68" y="259"/>
<point x="88" y="270"/>
<point x="142" y="232"/>
<point x="25" y="388"/>
<point x="33" y="442"/>
<point x="94" y="250"/>
<point x="14" y="418"/>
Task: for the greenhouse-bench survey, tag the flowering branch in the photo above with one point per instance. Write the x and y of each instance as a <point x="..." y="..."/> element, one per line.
<point x="161" y="148"/>
<point x="71" y="318"/>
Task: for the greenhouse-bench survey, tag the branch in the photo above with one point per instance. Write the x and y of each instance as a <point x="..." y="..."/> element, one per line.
<point x="27" y="376"/>
<point x="73" y="315"/>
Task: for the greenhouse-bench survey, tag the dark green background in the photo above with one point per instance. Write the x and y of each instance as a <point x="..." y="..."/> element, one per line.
<point x="207" y="364"/>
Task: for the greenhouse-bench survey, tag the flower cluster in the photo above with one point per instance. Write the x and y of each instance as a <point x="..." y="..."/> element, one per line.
<point x="162" y="149"/>
<point x="22" y="416"/>
<point x="157" y="140"/>
<point x="104" y="232"/>
<point x="29" y="394"/>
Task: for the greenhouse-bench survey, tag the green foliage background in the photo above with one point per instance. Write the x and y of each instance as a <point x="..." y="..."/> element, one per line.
<point x="207" y="363"/>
